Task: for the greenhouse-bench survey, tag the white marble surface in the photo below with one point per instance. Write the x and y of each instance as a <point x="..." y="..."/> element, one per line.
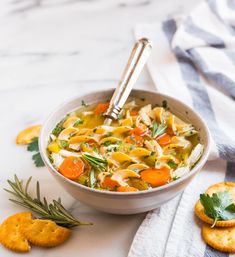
<point x="50" y="51"/>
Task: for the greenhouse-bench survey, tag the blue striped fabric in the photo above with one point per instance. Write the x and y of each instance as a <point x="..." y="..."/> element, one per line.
<point x="196" y="53"/>
<point x="189" y="62"/>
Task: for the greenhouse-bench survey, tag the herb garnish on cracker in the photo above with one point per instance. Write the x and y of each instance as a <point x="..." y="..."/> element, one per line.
<point x="218" y="205"/>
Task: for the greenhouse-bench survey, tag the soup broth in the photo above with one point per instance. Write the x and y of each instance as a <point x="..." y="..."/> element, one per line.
<point x="147" y="147"/>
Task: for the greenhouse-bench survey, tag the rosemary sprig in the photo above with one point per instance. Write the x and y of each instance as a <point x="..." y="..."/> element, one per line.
<point x="158" y="130"/>
<point x="95" y="162"/>
<point x="54" y="211"/>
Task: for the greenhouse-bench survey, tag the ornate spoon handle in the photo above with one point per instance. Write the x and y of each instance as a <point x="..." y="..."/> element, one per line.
<point x="134" y="66"/>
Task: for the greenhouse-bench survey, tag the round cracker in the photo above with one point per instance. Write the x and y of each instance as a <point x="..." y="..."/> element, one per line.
<point x="45" y="233"/>
<point x="221" y="239"/>
<point x="220" y="187"/>
<point x="10" y="234"/>
<point x="27" y="135"/>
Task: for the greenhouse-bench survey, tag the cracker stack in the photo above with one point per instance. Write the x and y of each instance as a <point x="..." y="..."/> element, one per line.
<point x="222" y="236"/>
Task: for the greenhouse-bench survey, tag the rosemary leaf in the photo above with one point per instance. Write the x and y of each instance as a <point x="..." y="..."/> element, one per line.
<point x="158" y="130"/>
<point x="54" y="211"/>
<point x="95" y="162"/>
<point x="154" y="128"/>
<point x="92" y="178"/>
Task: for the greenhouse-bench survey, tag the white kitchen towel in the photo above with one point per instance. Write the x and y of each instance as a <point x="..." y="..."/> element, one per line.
<point x="193" y="59"/>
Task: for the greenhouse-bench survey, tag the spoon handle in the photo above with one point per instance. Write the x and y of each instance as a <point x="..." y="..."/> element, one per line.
<point x="134" y="66"/>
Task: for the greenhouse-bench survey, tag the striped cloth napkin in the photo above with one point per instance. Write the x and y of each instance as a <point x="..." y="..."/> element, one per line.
<point x="193" y="59"/>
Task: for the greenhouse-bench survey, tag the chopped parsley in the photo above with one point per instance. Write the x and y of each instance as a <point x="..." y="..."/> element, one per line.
<point x="63" y="144"/>
<point x="59" y="127"/>
<point x="95" y="149"/>
<point x="50" y="158"/>
<point x="86" y="144"/>
<point x="109" y="134"/>
<point x="78" y="122"/>
<point x="107" y="143"/>
<point x="172" y="164"/>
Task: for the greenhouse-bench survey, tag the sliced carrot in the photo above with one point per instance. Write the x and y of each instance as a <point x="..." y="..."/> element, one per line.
<point x="135" y="140"/>
<point x="110" y="184"/>
<point x="72" y="167"/>
<point x="101" y="108"/>
<point x="134" y="113"/>
<point x="156" y="177"/>
<point x="164" y="139"/>
<point x="139" y="130"/>
<point x="126" y="189"/>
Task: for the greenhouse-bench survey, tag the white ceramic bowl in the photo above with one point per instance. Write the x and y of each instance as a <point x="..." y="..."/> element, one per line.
<point x="130" y="202"/>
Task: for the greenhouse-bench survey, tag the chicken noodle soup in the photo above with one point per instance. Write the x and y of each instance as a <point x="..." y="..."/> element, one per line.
<point x="147" y="147"/>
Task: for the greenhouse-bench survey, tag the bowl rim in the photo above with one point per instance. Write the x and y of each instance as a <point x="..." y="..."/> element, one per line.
<point x="193" y="171"/>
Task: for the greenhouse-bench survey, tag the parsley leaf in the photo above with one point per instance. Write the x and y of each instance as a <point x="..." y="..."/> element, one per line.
<point x="107" y="143"/>
<point x="33" y="147"/>
<point x="172" y="164"/>
<point x="64" y="143"/>
<point x="231" y="207"/>
<point x="38" y="160"/>
<point x="219" y="206"/>
<point x="109" y="134"/>
<point x="158" y="130"/>
<point x="78" y="122"/>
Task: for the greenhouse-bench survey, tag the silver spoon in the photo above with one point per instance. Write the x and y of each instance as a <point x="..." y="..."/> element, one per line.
<point x="134" y="66"/>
